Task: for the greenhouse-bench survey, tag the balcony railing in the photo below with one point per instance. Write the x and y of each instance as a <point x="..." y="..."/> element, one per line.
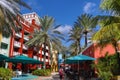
<point x="5" y="40"/>
<point x="26" y="38"/>
<point x="46" y="53"/>
<point x="35" y="57"/>
<point x="24" y="54"/>
<point x="42" y="52"/>
<point x="17" y="44"/>
<point x="43" y="46"/>
<point x="16" y="53"/>
<point x="19" y="35"/>
<point x="46" y="60"/>
<point x="39" y="58"/>
<point x="3" y="51"/>
<point x="47" y="47"/>
<point x="25" y="47"/>
<point x="42" y="59"/>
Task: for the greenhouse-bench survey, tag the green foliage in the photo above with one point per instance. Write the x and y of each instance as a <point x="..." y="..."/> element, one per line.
<point x="111" y="6"/>
<point x="107" y="66"/>
<point x="42" y="72"/>
<point x="5" y="74"/>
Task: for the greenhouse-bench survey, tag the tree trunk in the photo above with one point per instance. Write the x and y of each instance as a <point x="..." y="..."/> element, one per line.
<point x="85" y="39"/>
<point x="51" y="59"/>
<point x="79" y="48"/>
<point x="45" y="54"/>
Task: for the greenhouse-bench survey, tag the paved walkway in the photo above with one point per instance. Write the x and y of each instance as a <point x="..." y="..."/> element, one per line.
<point x="54" y="76"/>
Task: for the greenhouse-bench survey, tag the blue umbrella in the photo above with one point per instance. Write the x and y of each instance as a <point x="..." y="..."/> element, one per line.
<point x="3" y="57"/>
<point x="80" y="57"/>
<point x="24" y="59"/>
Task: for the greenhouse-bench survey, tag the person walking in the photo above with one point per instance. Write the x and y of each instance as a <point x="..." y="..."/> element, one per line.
<point x="61" y="73"/>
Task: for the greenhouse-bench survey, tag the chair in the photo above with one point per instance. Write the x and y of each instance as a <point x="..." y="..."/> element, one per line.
<point x="18" y="73"/>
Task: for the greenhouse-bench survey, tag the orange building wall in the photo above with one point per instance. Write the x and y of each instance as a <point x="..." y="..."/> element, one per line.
<point x="96" y="51"/>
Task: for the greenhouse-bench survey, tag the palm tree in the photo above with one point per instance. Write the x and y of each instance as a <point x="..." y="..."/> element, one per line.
<point x="109" y="25"/>
<point x="88" y="22"/>
<point x="47" y="35"/>
<point x="109" y="32"/>
<point x="75" y="35"/>
<point x="111" y="22"/>
<point x="112" y="6"/>
<point x="73" y="48"/>
<point x="9" y="9"/>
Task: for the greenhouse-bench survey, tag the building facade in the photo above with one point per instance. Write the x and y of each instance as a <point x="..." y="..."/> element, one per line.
<point x="96" y="51"/>
<point x="15" y="45"/>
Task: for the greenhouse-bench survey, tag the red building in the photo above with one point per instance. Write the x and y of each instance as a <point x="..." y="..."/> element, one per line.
<point x="18" y="40"/>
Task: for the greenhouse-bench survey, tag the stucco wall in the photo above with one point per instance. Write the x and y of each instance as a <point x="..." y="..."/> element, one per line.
<point x="97" y="51"/>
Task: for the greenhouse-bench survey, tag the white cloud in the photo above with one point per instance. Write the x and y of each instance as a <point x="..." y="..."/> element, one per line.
<point x="65" y="29"/>
<point x="89" y="7"/>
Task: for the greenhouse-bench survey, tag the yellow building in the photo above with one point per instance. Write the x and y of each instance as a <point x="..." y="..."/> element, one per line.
<point x="54" y="64"/>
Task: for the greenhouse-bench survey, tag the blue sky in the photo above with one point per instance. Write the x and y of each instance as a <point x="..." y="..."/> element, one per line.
<point x="65" y="12"/>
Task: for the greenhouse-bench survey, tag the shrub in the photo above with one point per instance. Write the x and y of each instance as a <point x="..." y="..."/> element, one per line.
<point x="5" y="74"/>
<point x="107" y="66"/>
<point x="42" y="72"/>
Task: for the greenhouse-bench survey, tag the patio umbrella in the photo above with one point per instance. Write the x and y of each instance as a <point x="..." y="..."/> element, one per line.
<point x="80" y="57"/>
<point x="3" y="57"/>
<point x="24" y="59"/>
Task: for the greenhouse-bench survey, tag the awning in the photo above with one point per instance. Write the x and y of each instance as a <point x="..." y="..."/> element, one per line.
<point x="24" y="59"/>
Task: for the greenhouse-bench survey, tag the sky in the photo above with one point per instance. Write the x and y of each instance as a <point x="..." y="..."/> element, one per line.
<point x="65" y="12"/>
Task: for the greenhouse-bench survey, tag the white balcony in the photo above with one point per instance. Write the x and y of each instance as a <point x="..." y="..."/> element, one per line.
<point x="19" y="35"/>
<point x="46" y="53"/>
<point x="26" y="38"/>
<point x="25" y="47"/>
<point x="17" y="44"/>
<point x="5" y="40"/>
<point x="3" y="51"/>
<point x="42" y="45"/>
<point x="24" y="54"/>
<point x="39" y="58"/>
<point x="46" y="60"/>
<point x="47" y="47"/>
<point x="35" y="57"/>
<point x="42" y="52"/>
<point x="42" y="59"/>
<point x="16" y="53"/>
<point x="39" y="51"/>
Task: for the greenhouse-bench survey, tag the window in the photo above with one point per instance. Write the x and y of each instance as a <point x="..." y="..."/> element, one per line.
<point x="4" y="46"/>
<point x="6" y="34"/>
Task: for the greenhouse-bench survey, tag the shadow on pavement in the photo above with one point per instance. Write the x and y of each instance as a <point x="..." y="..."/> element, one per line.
<point x="55" y="77"/>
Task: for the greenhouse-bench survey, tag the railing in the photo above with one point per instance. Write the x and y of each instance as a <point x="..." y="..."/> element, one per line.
<point x="16" y="53"/>
<point x="25" y="47"/>
<point x="5" y="40"/>
<point x="17" y="44"/>
<point x="19" y="35"/>
<point x="26" y="37"/>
